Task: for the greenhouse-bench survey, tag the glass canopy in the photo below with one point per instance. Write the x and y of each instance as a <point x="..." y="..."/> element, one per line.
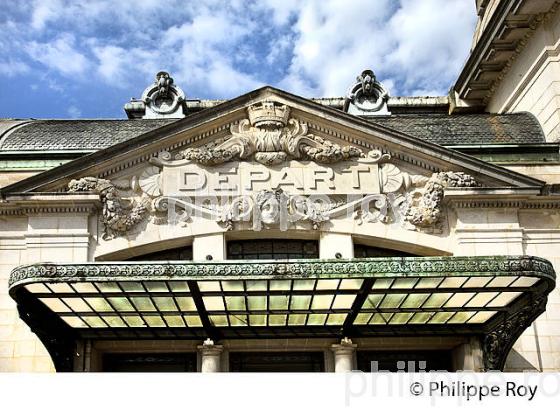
<point x="259" y="298"/>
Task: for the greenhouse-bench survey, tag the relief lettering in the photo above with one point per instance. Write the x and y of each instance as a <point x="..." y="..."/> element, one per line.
<point x="255" y="176"/>
<point x="225" y="180"/>
<point x="193" y="181"/>
<point x="326" y="176"/>
<point x="287" y="178"/>
<point x="355" y="172"/>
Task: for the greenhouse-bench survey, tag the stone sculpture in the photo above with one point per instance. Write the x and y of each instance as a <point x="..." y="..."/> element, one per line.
<point x="270" y="136"/>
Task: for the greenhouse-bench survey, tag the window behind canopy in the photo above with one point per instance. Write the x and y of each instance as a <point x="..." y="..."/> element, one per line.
<point x="173" y="254"/>
<point x="273" y="249"/>
<point x="366" y="251"/>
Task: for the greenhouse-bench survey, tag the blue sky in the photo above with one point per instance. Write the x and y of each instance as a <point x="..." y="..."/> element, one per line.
<point x="86" y="59"/>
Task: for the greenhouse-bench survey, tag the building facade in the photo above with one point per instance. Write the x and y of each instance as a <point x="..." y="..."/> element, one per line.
<point x="276" y="233"/>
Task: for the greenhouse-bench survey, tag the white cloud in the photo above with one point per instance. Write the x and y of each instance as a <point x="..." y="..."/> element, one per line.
<point x="74" y="112"/>
<point x="220" y="48"/>
<point x="59" y="55"/>
<point x="111" y="62"/>
<point x="430" y="47"/>
<point x="117" y="65"/>
<point x="278" y="48"/>
<point x="336" y="42"/>
<point x="12" y="68"/>
<point x="419" y="46"/>
<point x="207" y="29"/>
<point x="44" y="11"/>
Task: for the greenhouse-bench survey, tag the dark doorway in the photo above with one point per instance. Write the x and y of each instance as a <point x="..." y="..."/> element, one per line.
<point x="156" y="362"/>
<point x="413" y="361"/>
<point x="299" y="362"/>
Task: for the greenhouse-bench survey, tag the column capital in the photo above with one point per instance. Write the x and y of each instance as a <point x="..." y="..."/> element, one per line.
<point x="345" y="345"/>
<point x="208" y="348"/>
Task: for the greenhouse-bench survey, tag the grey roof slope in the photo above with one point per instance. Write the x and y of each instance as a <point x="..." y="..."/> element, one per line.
<point x="442" y="129"/>
<point x="79" y="135"/>
<point x="467" y="129"/>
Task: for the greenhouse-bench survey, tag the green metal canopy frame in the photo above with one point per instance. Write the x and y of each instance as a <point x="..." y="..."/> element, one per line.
<point x="493" y="297"/>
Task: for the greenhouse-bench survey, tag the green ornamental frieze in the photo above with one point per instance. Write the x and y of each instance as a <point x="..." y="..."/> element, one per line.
<point x="371" y="267"/>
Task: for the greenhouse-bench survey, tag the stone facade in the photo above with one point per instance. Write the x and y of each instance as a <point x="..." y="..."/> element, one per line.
<point x="121" y="209"/>
<point x="270" y="155"/>
<point x="531" y="84"/>
<point x="523" y="79"/>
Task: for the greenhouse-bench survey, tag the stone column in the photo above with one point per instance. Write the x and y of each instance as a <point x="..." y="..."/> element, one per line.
<point x="344" y="355"/>
<point x="210" y="356"/>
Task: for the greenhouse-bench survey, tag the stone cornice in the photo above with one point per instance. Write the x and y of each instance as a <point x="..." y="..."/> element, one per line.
<point x="520" y="198"/>
<point x="42" y="203"/>
<point x="214" y="131"/>
<point x="359" y="142"/>
<point x="504" y="37"/>
<point x="546" y="55"/>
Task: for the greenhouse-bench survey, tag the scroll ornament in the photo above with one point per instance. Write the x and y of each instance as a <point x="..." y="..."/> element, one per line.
<point x="415" y="199"/>
<point x="270" y="136"/>
<point x="119" y="215"/>
<point x="497" y="343"/>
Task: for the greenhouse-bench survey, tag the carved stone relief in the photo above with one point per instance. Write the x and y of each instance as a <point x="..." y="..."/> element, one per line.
<point x="120" y="215"/>
<point x="270" y="136"/>
<point x="381" y="192"/>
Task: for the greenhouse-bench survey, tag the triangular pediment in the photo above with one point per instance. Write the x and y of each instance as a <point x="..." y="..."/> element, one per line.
<point x="270" y="127"/>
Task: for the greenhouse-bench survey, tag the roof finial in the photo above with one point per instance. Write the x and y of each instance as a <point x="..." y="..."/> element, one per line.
<point x="161" y="99"/>
<point x="367" y="96"/>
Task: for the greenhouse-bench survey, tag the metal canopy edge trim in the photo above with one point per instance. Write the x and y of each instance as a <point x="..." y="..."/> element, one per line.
<point x="308" y="268"/>
<point x="492" y="297"/>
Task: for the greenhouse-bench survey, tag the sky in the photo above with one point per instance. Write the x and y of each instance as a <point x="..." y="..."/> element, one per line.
<point x="86" y="59"/>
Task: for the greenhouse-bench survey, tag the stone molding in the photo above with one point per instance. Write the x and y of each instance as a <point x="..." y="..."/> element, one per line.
<point x="548" y="54"/>
<point x="47" y="209"/>
<point x="527" y="204"/>
<point x="539" y="20"/>
<point x="507" y="33"/>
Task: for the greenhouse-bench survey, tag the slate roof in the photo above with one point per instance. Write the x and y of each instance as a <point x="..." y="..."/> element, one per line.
<point x="79" y="135"/>
<point x="467" y="129"/>
<point x="442" y="129"/>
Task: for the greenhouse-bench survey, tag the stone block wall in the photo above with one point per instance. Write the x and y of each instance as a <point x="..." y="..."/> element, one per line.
<point x="20" y="349"/>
